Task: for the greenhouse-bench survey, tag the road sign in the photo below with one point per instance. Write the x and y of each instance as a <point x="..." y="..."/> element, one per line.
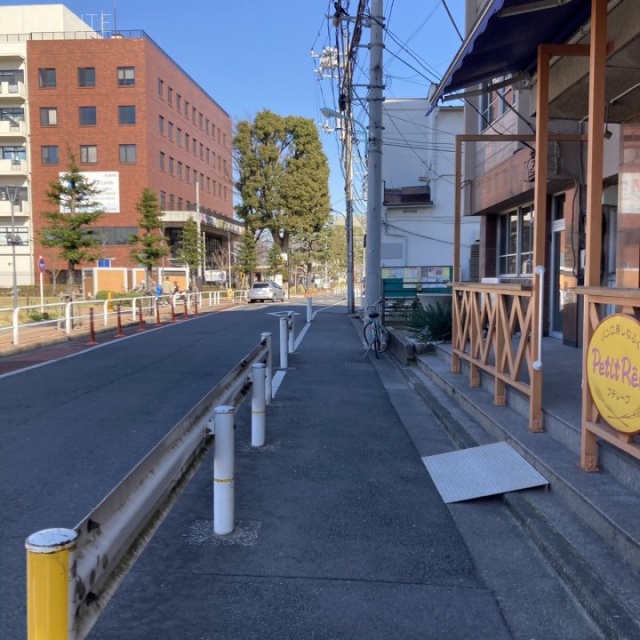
<point x="41" y="264"/>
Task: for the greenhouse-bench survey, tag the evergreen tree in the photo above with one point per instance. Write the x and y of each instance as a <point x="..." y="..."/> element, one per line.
<point x="247" y="261"/>
<point x="69" y="227"/>
<point x="275" y="261"/>
<point x="190" y="251"/>
<point x="151" y="245"/>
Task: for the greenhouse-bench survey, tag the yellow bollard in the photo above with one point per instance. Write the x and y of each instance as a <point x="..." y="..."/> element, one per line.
<point x="109" y="304"/>
<point x="49" y="558"/>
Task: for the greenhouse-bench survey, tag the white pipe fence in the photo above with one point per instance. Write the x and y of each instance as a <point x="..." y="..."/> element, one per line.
<point x="67" y="317"/>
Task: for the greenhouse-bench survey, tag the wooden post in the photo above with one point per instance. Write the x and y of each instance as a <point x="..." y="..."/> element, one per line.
<point x="593" y="240"/>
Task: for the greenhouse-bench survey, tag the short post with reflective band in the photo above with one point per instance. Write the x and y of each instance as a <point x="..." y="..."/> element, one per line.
<point x="268" y="388"/>
<point x="223" y="470"/>
<point x="50" y="556"/>
<point x="284" y="342"/>
<point x="258" y="404"/>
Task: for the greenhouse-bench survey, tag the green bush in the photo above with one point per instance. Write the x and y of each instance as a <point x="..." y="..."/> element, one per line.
<point x="38" y="316"/>
<point x="432" y="324"/>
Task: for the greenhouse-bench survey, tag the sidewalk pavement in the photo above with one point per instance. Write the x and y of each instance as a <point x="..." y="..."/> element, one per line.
<point x="340" y="532"/>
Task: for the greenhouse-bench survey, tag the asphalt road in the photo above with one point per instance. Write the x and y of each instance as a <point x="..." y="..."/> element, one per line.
<point x="340" y="530"/>
<point x="73" y="428"/>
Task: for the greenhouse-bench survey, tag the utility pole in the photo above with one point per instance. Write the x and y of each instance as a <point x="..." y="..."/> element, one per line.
<point x="347" y="130"/>
<point x="374" y="178"/>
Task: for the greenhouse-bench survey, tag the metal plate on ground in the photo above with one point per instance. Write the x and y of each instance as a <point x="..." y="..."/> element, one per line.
<point x="481" y="471"/>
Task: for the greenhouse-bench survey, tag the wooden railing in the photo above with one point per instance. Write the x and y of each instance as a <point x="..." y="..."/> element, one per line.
<point x="493" y="326"/>
<point x="600" y="302"/>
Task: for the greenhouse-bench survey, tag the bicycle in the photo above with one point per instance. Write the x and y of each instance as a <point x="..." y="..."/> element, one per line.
<point x="375" y="335"/>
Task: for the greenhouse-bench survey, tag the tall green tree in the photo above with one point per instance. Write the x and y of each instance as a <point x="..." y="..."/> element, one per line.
<point x="69" y="226"/>
<point x="190" y="251"/>
<point x="282" y="178"/>
<point x="151" y="245"/>
<point x="247" y="259"/>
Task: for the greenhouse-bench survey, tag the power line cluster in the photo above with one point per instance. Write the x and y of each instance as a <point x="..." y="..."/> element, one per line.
<point x="343" y="78"/>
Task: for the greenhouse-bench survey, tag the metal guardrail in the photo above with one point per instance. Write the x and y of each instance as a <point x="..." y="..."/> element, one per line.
<point x="105" y="544"/>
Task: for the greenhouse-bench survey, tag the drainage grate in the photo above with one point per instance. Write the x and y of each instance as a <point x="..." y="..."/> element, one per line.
<point x="481" y="471"/>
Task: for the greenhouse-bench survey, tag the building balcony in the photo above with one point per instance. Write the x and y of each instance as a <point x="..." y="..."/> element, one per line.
<point x="20" y="209"/>
<point x="13" y="129"/>
<point x="13" y="167"/>
<point x="12" y="90"/>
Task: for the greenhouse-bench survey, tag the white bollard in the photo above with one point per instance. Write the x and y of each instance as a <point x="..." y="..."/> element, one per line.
<point x="258" y="404"/>
<point x="223" y="470"/>
<point x="292" y="332"/>
<point x="268" y="383"/>
<point x="309" y="309"/>
<point x="284" y="363"/>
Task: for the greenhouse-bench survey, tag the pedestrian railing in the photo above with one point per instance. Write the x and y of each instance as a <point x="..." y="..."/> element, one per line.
<point x="33" y="321"/>
<point x="72" y="573"/>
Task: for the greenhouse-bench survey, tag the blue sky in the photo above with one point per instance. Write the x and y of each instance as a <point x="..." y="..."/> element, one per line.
<point x="251" y="55"/>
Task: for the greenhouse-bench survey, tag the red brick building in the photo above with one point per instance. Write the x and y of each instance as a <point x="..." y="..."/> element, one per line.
<point x="133" y="119"/>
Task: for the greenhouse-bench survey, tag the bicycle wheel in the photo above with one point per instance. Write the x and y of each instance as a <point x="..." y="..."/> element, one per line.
<point x="371" y="336"/>
<point x="367" y="332"/>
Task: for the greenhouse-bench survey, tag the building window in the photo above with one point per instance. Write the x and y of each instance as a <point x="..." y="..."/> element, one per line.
<point x="515" y="243"/>
<point x="180" y="204"/>
<point x="201" y="151"/>
<point x="494" y="103"/>
<point x="127" y="114"/>
<point x="128" y="153"/>
<point x="50" y="154"/>
<point x="88" y="116"/>
<point x="114" y="235"/>
<point x="172" y="202"/>
<point x="15" y="154"/>
<point x="88" y="153"/>
<point x="161" y="124"/>
<point x="161" y="88"/>
<point x="194" y="112"/>
<point x="161" y="161"/>
<point x="170" y="95"/>
<point x="194" y="144"/>
<point x="186" y="109"/>
<point x="187" y="173"/>
<point x="178" y="101"/>
<point x="186" y="141"/>
<point x="178" y="136"/>
<point x="86" y="76"/>
<point x="163" y="200"/>
<point x="46" y="78"/>
<point x="170" y="130"/>
<point x="126" y="76"/>
<point x="170" y="166"/>
<point x="207" y="126"/>
<point x="48" y="116"/>
<point x="179" y="175"/>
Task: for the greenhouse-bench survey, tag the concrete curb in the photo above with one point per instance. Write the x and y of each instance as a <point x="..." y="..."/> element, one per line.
<point x="607" y="612"/>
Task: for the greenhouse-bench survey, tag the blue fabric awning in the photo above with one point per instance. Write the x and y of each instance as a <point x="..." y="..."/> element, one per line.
<point x="499" y="44"/>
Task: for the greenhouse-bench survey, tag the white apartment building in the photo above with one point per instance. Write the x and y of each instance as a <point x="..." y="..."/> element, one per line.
<point x="418" y="198"/>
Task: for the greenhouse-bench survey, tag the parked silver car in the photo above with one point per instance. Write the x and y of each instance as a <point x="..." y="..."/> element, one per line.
<point x="263" y="291"/>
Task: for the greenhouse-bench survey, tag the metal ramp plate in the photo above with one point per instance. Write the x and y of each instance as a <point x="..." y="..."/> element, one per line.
<point x="481" y="471"/>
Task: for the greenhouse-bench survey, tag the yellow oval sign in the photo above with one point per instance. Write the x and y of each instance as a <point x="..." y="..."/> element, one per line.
<point x="613" y="371"/>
